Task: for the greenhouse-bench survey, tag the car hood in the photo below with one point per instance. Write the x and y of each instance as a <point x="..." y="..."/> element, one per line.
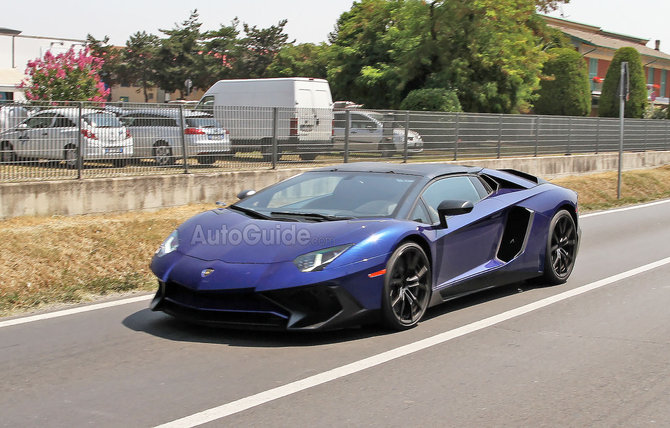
<point x="233" y="237"/>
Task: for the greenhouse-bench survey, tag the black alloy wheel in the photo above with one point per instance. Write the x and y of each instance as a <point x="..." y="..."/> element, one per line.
<point x="407" y="287"/>
<point x="561" y="248"/>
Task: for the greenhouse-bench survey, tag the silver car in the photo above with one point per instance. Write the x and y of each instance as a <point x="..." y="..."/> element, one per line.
<point x="157" y="134"/>
<point x="368" y="131"/>
<point x="56" y="134"/>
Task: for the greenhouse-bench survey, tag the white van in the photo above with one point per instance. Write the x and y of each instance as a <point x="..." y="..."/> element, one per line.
<point x="246" y="106"/>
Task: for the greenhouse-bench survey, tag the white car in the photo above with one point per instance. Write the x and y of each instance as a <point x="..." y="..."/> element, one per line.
<point x="157" y="135"/>
<point x="369" y="132"/>
<point x="56" y="134"/>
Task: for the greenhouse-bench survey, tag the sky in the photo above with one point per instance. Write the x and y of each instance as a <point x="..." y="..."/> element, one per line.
<point x="308" y="20"/>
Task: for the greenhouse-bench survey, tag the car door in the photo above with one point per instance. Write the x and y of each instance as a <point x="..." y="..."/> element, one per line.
<point x="63" y="132"/>
<point x="365" y="132"/>
<point x="467" y="247"/>
<point x="33" y="140"/>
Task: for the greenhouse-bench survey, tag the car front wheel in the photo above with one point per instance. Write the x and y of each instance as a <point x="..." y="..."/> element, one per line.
<point x="407" y="287"/>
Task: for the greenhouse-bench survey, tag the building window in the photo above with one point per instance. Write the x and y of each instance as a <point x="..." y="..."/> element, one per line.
<point x="650" y="75"/>
<point x="593" y="72"/>
<point x="664" y="78"/>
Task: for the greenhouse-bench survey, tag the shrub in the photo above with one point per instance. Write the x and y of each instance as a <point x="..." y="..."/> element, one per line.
<point x="436" y="99"/>
<point x="565" y="88"/>
<point x="609" y="99"/>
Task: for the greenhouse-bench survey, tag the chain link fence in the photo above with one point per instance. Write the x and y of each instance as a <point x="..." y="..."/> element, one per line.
<point x="75" y="140"/>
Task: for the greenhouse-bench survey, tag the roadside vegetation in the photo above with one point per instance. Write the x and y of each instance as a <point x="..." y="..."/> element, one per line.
<point x="59" y="260"/>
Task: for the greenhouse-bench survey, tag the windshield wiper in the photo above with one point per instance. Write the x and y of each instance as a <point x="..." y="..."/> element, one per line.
<point x="312" y="216"/>
<point x="249" y="212"/>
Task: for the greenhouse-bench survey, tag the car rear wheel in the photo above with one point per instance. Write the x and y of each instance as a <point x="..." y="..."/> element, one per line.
<point x="7" y="154"/>
<point x="163" y="154"/>
<point x="407" y="287"/>
<point x="561" y="248"/>
<point x="70" y="156"/>
<point x="307" y="156"/>
<point x="206" y="160"/>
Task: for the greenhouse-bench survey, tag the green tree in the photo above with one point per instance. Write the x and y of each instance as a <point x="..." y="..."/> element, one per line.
<point x="220" y="52"/>
<point x="609" y="98"/>
<point x="488" y="50"/>
<point x="177" y="58"/>
<point x="139" y="61"/>
<point x="259" y="49"/>
<point x="303" y="60"/>
<point x="113" y="68"/>
<point x="69" y="76"/>
<point x="565" y="88"/>
<point x="436" y="99"/>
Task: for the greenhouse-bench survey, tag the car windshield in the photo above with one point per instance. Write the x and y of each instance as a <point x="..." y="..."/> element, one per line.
<point x="102" y="120"/>
<point x="319" y="196"/>
<point x="202" y="122"/>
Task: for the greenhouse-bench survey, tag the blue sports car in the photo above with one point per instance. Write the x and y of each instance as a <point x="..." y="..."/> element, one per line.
<point x="365" y="242"/>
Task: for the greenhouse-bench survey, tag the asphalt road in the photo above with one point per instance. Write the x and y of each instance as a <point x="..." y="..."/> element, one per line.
<point x="598" y="358"/>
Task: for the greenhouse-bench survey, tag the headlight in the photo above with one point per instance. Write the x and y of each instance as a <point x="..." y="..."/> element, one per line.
<point x="169" y="245"/>
<point x="317" y="260"/>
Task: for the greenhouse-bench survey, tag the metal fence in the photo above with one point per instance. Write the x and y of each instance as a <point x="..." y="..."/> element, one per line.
<point x="75" y="140"/>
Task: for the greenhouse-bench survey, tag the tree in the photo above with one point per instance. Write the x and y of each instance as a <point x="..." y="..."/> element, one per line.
<point x="259" y="49"/>
<point x="69" y="76"/>
<point x="609" y="98"/>
<point x="177" y="58"/>
<point x="303" y="60"/>
<point x="113" y="67"/>
<point x="139" y="61"/>
<point x="487" y="50"/>
<point x="431" y="100"/>
<point x="565" y="88"/>
<point x="220" y="52"/>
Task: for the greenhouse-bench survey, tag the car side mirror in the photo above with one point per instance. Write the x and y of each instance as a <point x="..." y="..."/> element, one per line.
<point x="245" y="194"/>
<point x="452" y="207"/>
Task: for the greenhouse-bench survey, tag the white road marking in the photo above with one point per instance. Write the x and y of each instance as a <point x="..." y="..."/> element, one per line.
<point x="245" y="403"/>
<point x="78" y="310"/>
<point x="94" y="307"/>
<point x="632" y="207"/>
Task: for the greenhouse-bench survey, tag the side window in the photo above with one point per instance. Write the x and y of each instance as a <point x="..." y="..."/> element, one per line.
<point x="482" y="189"/>
<point x="340" y="120"/>
<point x="451" y="188"/>
<point x="358" y="121"/>
<point x="206" y="104"/>
<point x="63" y="122"/>
<point x="41" y="121"/>
<point x="420" y="214"/>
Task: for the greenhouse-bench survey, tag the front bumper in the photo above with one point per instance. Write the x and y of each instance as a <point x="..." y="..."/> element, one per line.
<point x="312" y="307"/>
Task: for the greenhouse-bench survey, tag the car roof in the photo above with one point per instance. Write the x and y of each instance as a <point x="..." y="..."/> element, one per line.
<point x="423" y="170"/>
<point x="72" y="111"/>
<point x="167" y="112"/>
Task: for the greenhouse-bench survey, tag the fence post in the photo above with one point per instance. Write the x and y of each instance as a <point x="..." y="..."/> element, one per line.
<point x="667" y="136"/>
<point x="274" y="137"/>
<point x="457" y="136"/>
<point x="569" y="133"/>
<point x="79" y="151"/>
<point x="184" y="155"/>
<point x="347" y="129"/>
<point x="597" y="134"/>
<point x="537" y="133"/>
<point x="499" y="134"/>
<point x="646" y="134"/>
<point x="404" y="156"/>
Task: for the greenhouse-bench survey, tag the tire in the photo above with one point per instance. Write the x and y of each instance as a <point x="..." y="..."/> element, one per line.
<point x="561" y="248"/>
<point x="307" y="156"/>
<point x="70" y="156"/>
<point x="407" y="287"/>
<point x="7" y="154"/>
<point x="206" y="160"/>
<point x="162" y="154"/>
<point x="387" y="150"/>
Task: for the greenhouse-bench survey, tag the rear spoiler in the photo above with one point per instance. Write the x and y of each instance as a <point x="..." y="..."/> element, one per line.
<point x="523" y="175"/>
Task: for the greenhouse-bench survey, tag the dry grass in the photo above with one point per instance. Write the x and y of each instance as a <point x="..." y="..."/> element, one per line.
<point x="72" y="259"/>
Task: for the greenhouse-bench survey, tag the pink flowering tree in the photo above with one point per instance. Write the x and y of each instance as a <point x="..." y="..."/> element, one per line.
<point x="69" y="76"/>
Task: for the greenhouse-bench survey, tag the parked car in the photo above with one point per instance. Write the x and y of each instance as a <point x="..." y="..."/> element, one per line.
<point x="56" y="133"/>
<point x="157" y="135"/>
<point x="245" y="106"/>
<point x="369" y="132"/>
